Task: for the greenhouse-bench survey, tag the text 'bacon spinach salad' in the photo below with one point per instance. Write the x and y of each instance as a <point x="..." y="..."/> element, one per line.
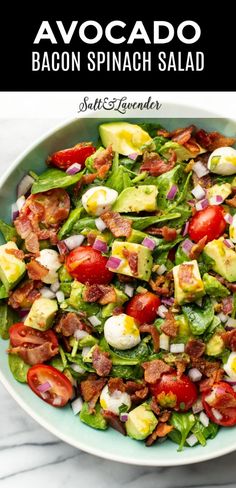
<point x="118" y="282"/>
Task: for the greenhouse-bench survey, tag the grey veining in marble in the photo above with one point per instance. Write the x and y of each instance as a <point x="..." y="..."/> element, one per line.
<point x="32" y="457"/>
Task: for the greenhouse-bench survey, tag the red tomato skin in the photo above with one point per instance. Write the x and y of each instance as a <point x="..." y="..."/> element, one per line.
<point x="88" y="265"/>
<point x="184" y="389"/>
<point x="55" y="377"/>
<point x="66" y="157"/>
<point x="208" y="222"/>
<point x="228" y="414"/>
<point x="143" y="307"/>
<point x="21" y="334"/>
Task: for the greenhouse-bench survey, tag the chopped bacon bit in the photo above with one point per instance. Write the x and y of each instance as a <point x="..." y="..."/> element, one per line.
<point x="132" y="258"/>
<point x="154" y="369"/>
<point x="36" y="354"/>
<point x="91" y="238"/>
<point x="165" y="415"/>
<point x="162" y="285"/>
<point x="182" y="135"/>
<point x="208" y="368"/>
<point x="36" y="271"/>
<point x="227" y="305"/>
<point x="102" y="293"/>
<point x="151" y="329"/>
<point x="154" y="406"/>
<point x="160" y="431"/>
<point x="32" y="243"/>
<point x="101" y="361"/>
<point x="104" y="157"/>
<point x="198" y="248"/>
<point x="163" y="133"/>
<point x="109" y="294"/>
<point x="139" y="395"/>
<point x="63" y="249"/>
<point x="102" y="172"/>
<point x="229" y="339"/>
<point x="170" y="326"/>
<point x="119" y="226"/>
<point x="91" y="389"/>
<point x="186" y="274"/>
<point x="192" y="146"/>
<point x="114" y="421"/>
<point x="85" y="180"/>
<point x="155" y="166"/>
<point x="17" y="253"/>
<point x="195" y="348"/>
<point x="215" y="377"/>
<point x="69" y="323"/>
<point x="231" y="201"/>
<point x="116" y="384"/>
<point x="124" y="278"/>
<point x="167" y="233"/>
<point x="25" y="295"/>
<point x="92" y="293"/>
<point x="132" y="386"/>
<point x="213" y="140"/>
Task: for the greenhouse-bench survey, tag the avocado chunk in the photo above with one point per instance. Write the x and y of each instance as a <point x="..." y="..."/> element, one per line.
<point x="144" y="259"/>
<point x="213" y="287"/>
<point x="215" y="345"/>
<point x="42" y="314"/>
<point x="137" y="199"/>
<point x="141" y="422"/>
<point x="188" y="283"/>
<point x="94" y="420"/>
<point x="124" y="137"/>
<point x="224" y="259"/>
<point x="219" y="190"/>
<point x="11" y="268"/>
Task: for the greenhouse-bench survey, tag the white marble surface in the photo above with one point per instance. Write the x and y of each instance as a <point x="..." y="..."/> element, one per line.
<point x="32" y="457"/>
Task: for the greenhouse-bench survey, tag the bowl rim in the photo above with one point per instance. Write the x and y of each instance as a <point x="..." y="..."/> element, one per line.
<point x="17" y="397"/>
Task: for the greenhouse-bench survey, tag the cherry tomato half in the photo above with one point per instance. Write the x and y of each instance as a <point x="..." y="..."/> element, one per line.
<point x="184" y="390"/>
<point x="61" y="388"/>
<point x="222" y="398"/>
<point x="66" y="157"/>
<point x="88" y="265"/>
<point x="143" y="307"/>
<point x="21" y="335"/>
<point x="209" y="222"/>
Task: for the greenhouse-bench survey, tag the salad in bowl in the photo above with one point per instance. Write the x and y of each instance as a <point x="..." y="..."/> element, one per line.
<point x="118" y="282"/>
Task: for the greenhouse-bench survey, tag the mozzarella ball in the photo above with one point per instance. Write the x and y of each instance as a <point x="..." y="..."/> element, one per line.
<point x="98" y="199"/>
<point x="113" y="401"/>
<point x="230" y="366"/>
<point x="232" y="230"/>
<point x="50" y="260"/>
<point x="222" y="161"/>
<point x="121" y="332"/>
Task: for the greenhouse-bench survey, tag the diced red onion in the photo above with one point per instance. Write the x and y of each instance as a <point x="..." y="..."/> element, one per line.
<point x="192" y="440"/>
<point x="124" y="417"/>
<point x="162" y="311"/>
<point x="74" y="241"/>
<point x="228" y="243"/>
<point x="198" y="192"/>
<point x="168" y="301"/>
<point x="20" y="202"/>
<point x="55" y="286"/>
<point x="101" y="226"/>
<point x="25" y="185"/>
<point x="85" y="351"/>
<point x="187" y="246"/>
<point x="79" y="334"/>
<point x="161" y="269"/>
<point x="77" y="368"/>
<point x="100" y="245"/>
<point x="223" y="318"/>
<point x="202" y="204"/>
<point x="216" y="414"/>
<point x="23" y="312"/>
<point x="194" y="374"/>
<point x="62" y="248"/>
<point x="133" y="156"/>
<point x="94" y="320"/>
<point x="164" y="342"/>
<point x="228" y="218"/>
<point x="47" y="293"/>
<point x="73" y="169"/>
<point x="185" y="231"/>
<point x="113" y="262"/>
<point x="129" y="290"/>
<point x="191" y="203"/>
<point x="60" y="296"/>
<point x="14" y="212"/>
<point x="44" y="387"/>
<point x="231" y="322"/>
<point x="216" y="200"/>
<point x="197" y="406"/>
<point x="200" y="169"/>
<point x="149" y="243"/>
<point x="177" y="348"/>
<point x="172" y="192"/>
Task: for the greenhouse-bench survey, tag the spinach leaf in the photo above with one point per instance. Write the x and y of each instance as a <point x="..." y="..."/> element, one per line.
<point x="139" y="352"/>
<point x="233" y="314"/>
<point x="164" y="184"/>
<point x="180" y="256"/>
<point x="3" y="291"/>
<point x="68" y="225"/>
<point x="184" y="212"/>
<point x="118" y="360"/>
<point x="150" y="127"/>
<point x="127" y="372"/>
<point x="18" y="368"/>
<point x="203" y="433"/>
<point x="82" y="224"/>
<point x="94" y="420"/>
<point x="183" y="423"/>
<point x="9" y="233"/>
<point x="57" y="363"/>
<point x="199" y="318"/>
<point x="119" y="178"/>
<point x="54" y="178"/>
<point x="77" y="359"/>
<point x="140" y="223"/>
<point x="213" y="287"/>
<point x="7" y="318"/>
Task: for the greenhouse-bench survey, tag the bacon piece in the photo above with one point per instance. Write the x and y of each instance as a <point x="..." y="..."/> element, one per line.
<point x="114" y="421"/>
<point x="164" y="416"/>
<point x="102" y="293"/>
<point x="227" y="305"/>
<point x="137" y="391"/>
<point x="170" y="326"/>
<point x="195" y="348"/>
<point x="23" y="226"/>
<point x="36" y="271"/>
<point x="182" y="135"/>
<point x="163" y="133"/>
<point x="119" y="226"/>
<point x="160" y="431"/>
<point x="167" y="233"/>
<point x="186" y="274"/>
<point x="231" y="201"/>
<point x="154" y="369"/>
<point x="222" y="399"/>
<point x="103" y="162"/>
<point x="192" y="146"/>
<point x="151" y="329"/>
<point x="155" y="166"/>
<point x="36" y="354"/>
<point x="115" y="384"/>
<point x="198" y="248"/>
<point x="213" y="140"/>
<point x="25" y="295"/>
<point x="132" y="258"/>
<point x="155" y="407"/>
<point x="207" y="368"/>
<point x="101" y="362"/>
<point x="91" y="238"/>
<point x="69" y="323"/>
<point x="207" y="384"/>
<point x="229" y="339"/>
<point x="16" y="252"/>
<point x="91" y="389"/>
<point x="163" y="285"/>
